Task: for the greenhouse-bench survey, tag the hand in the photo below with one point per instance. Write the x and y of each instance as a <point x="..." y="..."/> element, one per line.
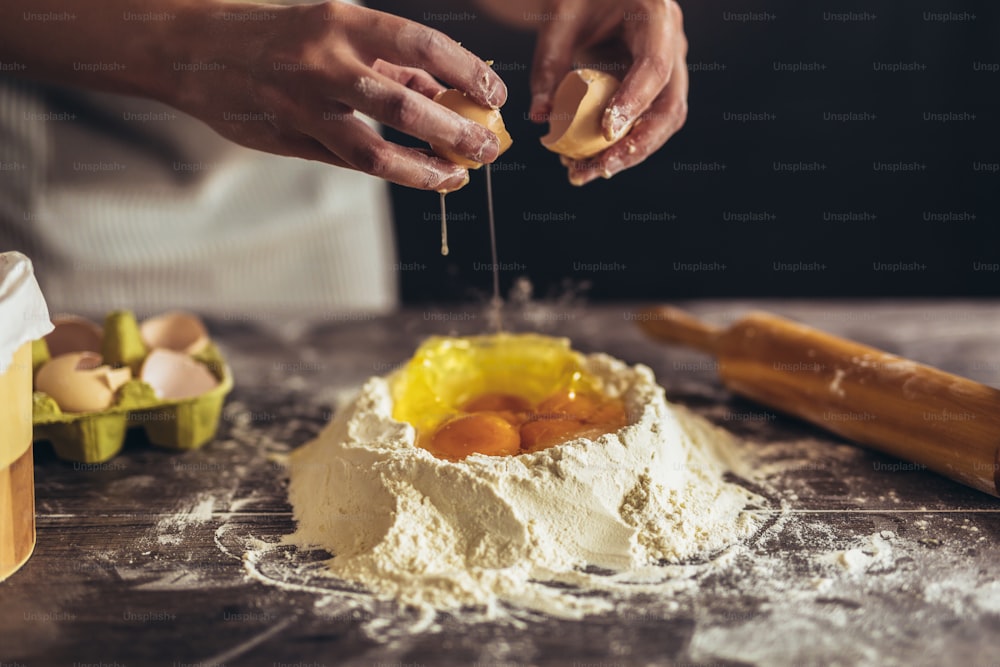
<point x="292" y="85"/>
<point x="648" y="37"/>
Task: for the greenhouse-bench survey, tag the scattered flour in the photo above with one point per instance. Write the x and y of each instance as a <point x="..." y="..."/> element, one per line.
<point x="873" y="553"/>
<point x="170" y="529"/>
<point x="533" y="530"/>
<point x="836" y="385"/>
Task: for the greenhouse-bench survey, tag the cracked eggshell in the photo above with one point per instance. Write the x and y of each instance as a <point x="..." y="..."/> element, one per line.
<point x="174" y="375"/>
<point x="466" y="107"/>
<point x="71" y="333"/>
<point x="176" y="330"/>
<point x="577" y="109"/>
<point x="80" y="381"/>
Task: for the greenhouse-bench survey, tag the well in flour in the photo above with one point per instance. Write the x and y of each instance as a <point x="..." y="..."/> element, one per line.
<point x="491" y="531"/>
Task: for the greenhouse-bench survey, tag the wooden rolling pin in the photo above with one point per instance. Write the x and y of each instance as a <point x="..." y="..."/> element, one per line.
<point x="914" y="412"/>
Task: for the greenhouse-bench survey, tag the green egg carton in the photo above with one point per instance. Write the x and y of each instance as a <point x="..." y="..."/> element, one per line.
<point x="94" y="437"/>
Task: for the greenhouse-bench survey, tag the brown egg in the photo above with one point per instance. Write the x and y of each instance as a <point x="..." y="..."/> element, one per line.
<point x="80" y="382"/>
<point x="73" y="334"/>
<point x="176" y="330"/>
<point x="175" y="375"/>
<point x="577" y="109"/>
<point x="465" y="106"/>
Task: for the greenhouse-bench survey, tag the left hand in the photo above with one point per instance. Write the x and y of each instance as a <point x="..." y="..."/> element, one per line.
<point x="648" y="36"/>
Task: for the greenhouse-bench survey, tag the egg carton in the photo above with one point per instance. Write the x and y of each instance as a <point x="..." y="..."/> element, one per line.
<point x="94" y="437"/>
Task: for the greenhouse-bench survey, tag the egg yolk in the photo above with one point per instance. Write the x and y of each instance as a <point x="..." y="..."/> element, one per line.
<point x="497" y="402"/>
<point x="589" y="408"/>
<point x="498" y="424"/>
<point x="514" y="409"/>
<point x="540" y="434"/>
<point x="476" y="433"/>
<point x="500" y="395"/>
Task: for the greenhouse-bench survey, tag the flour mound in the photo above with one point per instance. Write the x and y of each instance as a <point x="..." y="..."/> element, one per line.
<point x="538" y="530"/>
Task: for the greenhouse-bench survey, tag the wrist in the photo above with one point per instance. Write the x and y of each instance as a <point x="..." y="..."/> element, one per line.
<point x="193" y="54"/>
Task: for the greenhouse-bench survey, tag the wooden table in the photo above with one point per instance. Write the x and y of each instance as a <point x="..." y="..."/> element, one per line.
<point x="141" y="560"/>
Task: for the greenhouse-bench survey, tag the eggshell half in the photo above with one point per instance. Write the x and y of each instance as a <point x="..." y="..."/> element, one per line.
<point x="577" y="109"/>
<point x="175" y="375"/>
<point x="465" y="106"/>
<point x="80" y="381"/>
<point x="73" y="334"/>
<point x="176" y="330"/>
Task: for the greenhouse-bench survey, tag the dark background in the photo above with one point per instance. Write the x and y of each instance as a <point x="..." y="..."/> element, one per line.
<point x="682" y="216"/>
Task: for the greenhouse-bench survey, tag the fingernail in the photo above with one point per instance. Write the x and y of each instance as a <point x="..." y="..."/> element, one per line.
<point x="496" y="93"/>
<point x="455" y="181"/>
<point x="615" y="123"/>
<point x="489" y="150"/>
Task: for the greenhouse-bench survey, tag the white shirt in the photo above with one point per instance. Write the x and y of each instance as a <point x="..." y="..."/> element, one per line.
<point x="123" y="202"/>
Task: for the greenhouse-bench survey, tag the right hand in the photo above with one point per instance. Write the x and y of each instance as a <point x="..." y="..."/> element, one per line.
<point x="291" y="86"/>
<point x="648" y="36"/>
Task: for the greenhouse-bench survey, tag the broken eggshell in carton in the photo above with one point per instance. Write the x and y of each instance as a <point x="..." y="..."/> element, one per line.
<point x="578" y="106"/>
<point x="466" y="107"/>
<point x="71" y="333"/>
<point x="81" y="381"/>
<point x="175" y="330"/>
<point x="175" y="423"/>
<point x="174" y="375"/>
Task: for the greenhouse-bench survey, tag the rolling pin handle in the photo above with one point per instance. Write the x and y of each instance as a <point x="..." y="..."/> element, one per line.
<point x="891" y="404"/>
<point x="674" y="325"/>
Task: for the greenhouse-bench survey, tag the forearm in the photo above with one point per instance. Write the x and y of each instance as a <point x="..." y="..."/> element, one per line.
<point x="291" y="80"/>
<point x="136" y="47"/>
<point x="517" y="13"/>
